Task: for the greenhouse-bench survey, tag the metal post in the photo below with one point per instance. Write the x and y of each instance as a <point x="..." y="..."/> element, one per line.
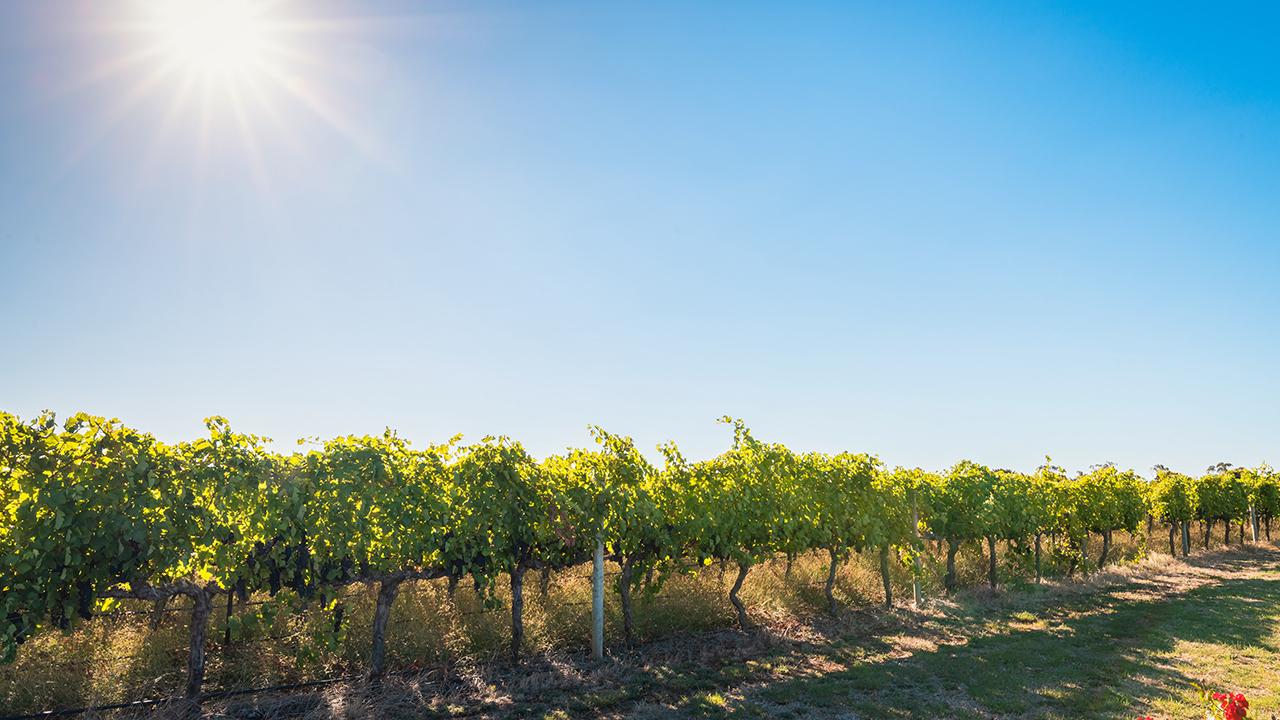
<point x="597" y="601"/>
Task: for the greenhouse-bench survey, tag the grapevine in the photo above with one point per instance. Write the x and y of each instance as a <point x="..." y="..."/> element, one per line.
<point x="95" y="512"/>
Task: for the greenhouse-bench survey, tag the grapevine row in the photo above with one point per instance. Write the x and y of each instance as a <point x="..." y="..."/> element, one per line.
<point x="95" y="511"/>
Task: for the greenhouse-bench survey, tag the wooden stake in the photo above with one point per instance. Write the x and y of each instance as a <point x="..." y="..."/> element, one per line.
<point x="597" y="601"/>
<point x="915" y="560"/>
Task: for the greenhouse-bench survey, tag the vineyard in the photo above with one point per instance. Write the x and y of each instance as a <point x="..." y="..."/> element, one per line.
<point x="97" y="515"/>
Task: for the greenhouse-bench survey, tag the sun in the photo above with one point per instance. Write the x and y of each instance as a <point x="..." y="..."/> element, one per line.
<point x="230" y="88"/>
<point x="215" y="39"/>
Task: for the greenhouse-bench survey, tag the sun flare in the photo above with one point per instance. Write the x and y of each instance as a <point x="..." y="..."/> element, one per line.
<point x="241" y="84"/>
<point x="213" y="38"/>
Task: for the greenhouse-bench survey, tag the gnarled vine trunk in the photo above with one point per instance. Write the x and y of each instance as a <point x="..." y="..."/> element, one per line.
<point x="1039" y="576"/>
<point x="1106" y="548"/>
<point x="991" y="567"/>
<point x="743" y="569"/>
<point x="226" y="625"/>
<point x="202" y="602"/>
<point x="1173" y="551"/>
<point x="387" y="591"/>
<point x="949" y="580"/>
<point x="831" y="579"/>
<point x="625" y="581"/>
<point x="517" y="612"/>
<point x="884" y="575"/>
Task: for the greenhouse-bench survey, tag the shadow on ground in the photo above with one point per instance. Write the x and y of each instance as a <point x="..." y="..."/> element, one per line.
<point x="1101" y="663"/>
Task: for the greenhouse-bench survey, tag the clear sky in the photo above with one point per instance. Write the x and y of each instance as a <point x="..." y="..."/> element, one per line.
<point x="924" y="230"/>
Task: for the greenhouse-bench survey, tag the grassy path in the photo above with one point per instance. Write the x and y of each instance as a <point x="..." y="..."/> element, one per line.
<point x="1133" y="647"/>
<point x="1126" y="642"/>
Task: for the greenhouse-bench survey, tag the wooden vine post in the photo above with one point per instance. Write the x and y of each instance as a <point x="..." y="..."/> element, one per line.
<point x="201" y="604"/>
<point x="915" y="558"/>
<point x="597" y="600"/>
<point x="517" y="611"/>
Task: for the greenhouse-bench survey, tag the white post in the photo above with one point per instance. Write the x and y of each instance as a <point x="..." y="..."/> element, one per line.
<point x="597" y="601"/>
<point x="915" y="558"/>
<point x="1253" y="522"/>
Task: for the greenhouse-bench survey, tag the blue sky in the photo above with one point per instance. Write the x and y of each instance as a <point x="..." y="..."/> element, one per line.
<point x="924" y="230"/>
